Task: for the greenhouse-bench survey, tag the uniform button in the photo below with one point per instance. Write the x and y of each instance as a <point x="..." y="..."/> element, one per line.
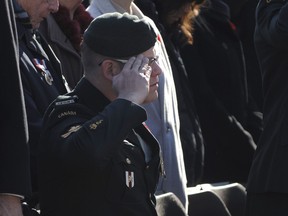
<point x="128" y="161"/>
<point x="147" y="167"/>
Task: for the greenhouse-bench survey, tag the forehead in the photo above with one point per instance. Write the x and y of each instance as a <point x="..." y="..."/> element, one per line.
<point x="150" y="52"/>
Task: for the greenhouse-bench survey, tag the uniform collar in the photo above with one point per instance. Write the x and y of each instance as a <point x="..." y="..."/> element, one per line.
<point x="90" y="96"/>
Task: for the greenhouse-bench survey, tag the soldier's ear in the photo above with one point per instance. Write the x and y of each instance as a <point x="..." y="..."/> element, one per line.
<point x="108" y="69"/>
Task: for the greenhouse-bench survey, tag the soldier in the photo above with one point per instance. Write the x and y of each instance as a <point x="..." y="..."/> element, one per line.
<point x="97" y="157"/>
<point x="163" y="115"/>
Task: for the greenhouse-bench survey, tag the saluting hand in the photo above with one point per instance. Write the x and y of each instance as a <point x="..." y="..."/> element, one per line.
<point x="132" y="83"/>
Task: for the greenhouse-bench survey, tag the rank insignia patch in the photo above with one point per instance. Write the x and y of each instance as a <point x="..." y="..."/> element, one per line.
<point x="71" y="130"/>
<point x="93" y="126"/>
<point x="129" y="177"/>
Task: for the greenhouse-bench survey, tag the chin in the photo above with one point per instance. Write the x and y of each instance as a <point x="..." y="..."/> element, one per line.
<point x="151" y="97"/>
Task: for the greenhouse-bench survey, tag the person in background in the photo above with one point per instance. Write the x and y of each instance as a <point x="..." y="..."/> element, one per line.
<point x="97" y="157"/>
<point x="14" y="150"/>
<point x="163" y="115"/>
<point x="40" y="73"/>
<point x="243" y="16"/>
<point x="267" y="189"/>
<point x="215" y="65"/>
<point x="175" y="19"/>
<point x="63" y="31"/>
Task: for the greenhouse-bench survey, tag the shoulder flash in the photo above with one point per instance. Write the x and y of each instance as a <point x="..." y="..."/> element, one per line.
<point x="66" y="99"/>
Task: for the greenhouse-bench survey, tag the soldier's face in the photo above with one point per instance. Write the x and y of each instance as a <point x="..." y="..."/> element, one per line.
<point x="154" y="78"/>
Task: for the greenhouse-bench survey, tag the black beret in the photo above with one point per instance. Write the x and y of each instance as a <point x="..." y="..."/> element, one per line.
<point x="119" y="35"/>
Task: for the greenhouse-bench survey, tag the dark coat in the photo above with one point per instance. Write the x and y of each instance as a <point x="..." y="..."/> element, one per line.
<point x="245" y="22"/>
<point x="89" y="145"/>
<point x="14" y="149"/>
<point x="269" y="169"/>
<point x="216" y="67"/>
<point x="36" y="62"/>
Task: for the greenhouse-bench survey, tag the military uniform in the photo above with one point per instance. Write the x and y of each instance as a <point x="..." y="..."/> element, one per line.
<point x="92" y="161"/>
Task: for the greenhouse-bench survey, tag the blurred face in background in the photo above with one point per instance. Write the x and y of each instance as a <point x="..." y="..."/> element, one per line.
<point x="38" y="10"/>
<point x="177" y="14"/>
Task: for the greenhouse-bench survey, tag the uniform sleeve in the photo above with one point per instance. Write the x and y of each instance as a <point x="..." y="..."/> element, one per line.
<point x="79" y="141"/>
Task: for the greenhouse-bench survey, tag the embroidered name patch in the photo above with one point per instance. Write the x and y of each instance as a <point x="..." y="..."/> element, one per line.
<point x="58" y="103"/>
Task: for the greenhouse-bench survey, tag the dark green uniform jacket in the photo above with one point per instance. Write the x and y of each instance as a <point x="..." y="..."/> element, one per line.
<point x="91" y="161"/>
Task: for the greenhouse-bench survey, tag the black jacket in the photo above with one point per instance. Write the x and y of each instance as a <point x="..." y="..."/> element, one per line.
<point x="269" y="170"/>
<point x="90" y="151"/>
<point x="245" y="22"/>
<point x="14" y="149"/>
<point x="216" y="68"/>
<point x="37" y="63"/>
